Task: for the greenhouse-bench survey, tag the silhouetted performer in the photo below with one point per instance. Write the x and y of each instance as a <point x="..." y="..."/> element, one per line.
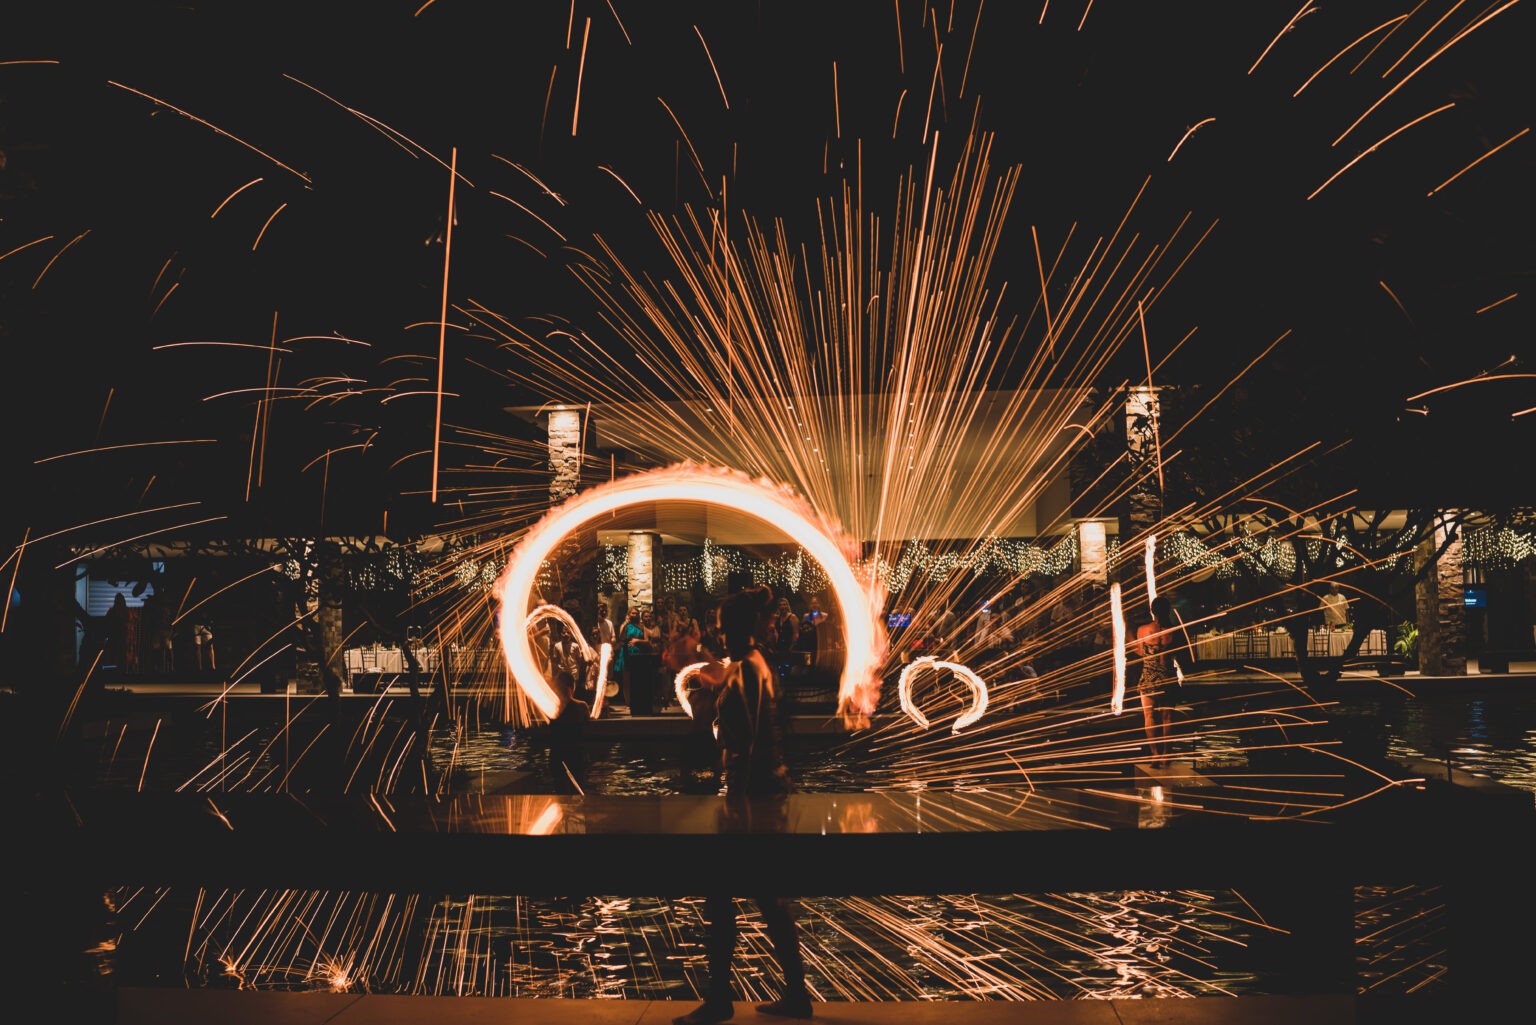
<point x="756" y="786"/>
<point x="567" y="757"/>
<point x="122" y="636"/>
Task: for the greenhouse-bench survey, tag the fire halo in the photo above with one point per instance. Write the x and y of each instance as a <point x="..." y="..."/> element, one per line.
<point x="859" y="595"/>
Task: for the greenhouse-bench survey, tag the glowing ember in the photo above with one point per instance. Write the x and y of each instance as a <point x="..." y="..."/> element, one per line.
<point x="858" y="600"/>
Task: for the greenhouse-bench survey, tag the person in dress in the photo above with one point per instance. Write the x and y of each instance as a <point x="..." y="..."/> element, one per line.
<point x="1164" y="649"/>
<point x="630" y="635"/>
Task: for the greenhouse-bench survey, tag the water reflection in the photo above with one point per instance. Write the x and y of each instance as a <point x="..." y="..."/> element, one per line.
<point x="947" y="947"/>
<point x="956" y="947"/>
<point x="1492" y="735"/>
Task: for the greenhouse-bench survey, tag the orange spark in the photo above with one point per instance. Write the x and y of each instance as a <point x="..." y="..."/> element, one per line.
<point x="581" y="68"/>
<point x="232" y="195"/>
<point x="712" y="67"/>
<point x="1497" y="302"/>
<point x="130" y="444"/>
<point x="1372" y="149"/>
<point x="1395" y="299"/>
<point x="1329" y="63"/>
<point x="1458" y="37"/>
<point x="208" y="124"/>
<point x="1187" y="134"/>
<point x="1302" y="12"/>
<point x="55" y="256"/>
<point x="1479" y="160"/>
<point x="25" y="245"/>
<point x="442" y="320"/>
<point x="1471" y="380"/>
<point x="264" y="227"/>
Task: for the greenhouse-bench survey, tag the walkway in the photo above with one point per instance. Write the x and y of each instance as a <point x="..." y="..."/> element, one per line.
<point x="226" y="1007"/>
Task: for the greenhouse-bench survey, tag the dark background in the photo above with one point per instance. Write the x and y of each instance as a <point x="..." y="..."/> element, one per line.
<point x="95" y="341"/>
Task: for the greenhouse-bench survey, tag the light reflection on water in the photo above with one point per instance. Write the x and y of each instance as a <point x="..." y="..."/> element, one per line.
<point x="1486" y="734"/>
<point x="1006" y="947"/>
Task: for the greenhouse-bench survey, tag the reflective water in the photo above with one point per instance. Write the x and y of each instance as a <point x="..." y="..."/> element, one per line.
<point x="935" y="947"/>
<point x="1490" y="734"/>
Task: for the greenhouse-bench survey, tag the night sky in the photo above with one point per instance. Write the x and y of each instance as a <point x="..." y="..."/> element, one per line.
<point x="349" y="113"/>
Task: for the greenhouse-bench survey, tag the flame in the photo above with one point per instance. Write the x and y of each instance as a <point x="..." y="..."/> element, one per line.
<point x="548" y="819"/>
<point x="680" y="687"/>
<point x="1117" y="633"/>
<point x="969" y="678"/>
<point x="548" y="701"/>
<point x="857" y="599"/>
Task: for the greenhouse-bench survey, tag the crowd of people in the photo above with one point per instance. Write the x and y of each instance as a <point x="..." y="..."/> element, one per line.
<point x="653" y="643"/>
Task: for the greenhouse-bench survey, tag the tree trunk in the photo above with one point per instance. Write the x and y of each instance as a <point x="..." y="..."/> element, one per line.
<point x="1442" y="616"/>
<point x="332" y="578"/>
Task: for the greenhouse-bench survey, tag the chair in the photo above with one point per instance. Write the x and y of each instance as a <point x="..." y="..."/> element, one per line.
<point x="1250" y="643"/>
<point x="1318" y="645"/>
<point x="367" y="671"/>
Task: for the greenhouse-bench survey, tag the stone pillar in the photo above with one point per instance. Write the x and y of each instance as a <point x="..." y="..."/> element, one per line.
<point x="1093" y="551"/>
<point x="644" y="565"/>
<point x="564" y="425"/>
<point x="574" y="587"/>
<point x="1144" y="504"/>
<point x="1442" y="613"/>
<point x="1143" y="508"/>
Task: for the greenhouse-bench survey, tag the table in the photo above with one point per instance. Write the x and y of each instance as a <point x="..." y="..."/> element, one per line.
<point x="379" y="659"/>
<point x="1214" y="646"/>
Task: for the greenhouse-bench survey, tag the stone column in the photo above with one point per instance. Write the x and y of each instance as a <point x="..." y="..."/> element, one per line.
<point x="1143" y="508"/>
<point x="644" y="564"/>
<point x="1093" y="551"/>
<point x="564" y="425"/>
<point x="1442" y="613"/>
<point x="575" y="587"/>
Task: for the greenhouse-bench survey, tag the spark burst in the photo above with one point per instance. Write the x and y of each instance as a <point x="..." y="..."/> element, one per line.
<point x="781" y="359"/>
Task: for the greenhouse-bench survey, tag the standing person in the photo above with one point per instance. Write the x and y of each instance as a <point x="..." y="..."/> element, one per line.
<point x="702" y="754"/>
<point x="652" y="627"/>
<point x="1164" y="648"/>
<point x="567" y="759"/>
<point x="809" y="627"/>
<point x="682" y="646"/>
<point x="642" y="664"/>
<point x="1335" y="608"/>
<point x="605" y="634"/>
<point x="565" y="654"/>
<point x="202" y="637"/>
<point x="992" y="631"/>
<point x="785" y="637"/>
<point x="122" y="636"/>
<point x="757" y="783"/>
<point x="630" y="634"/>
<point x="157" y="624"/>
